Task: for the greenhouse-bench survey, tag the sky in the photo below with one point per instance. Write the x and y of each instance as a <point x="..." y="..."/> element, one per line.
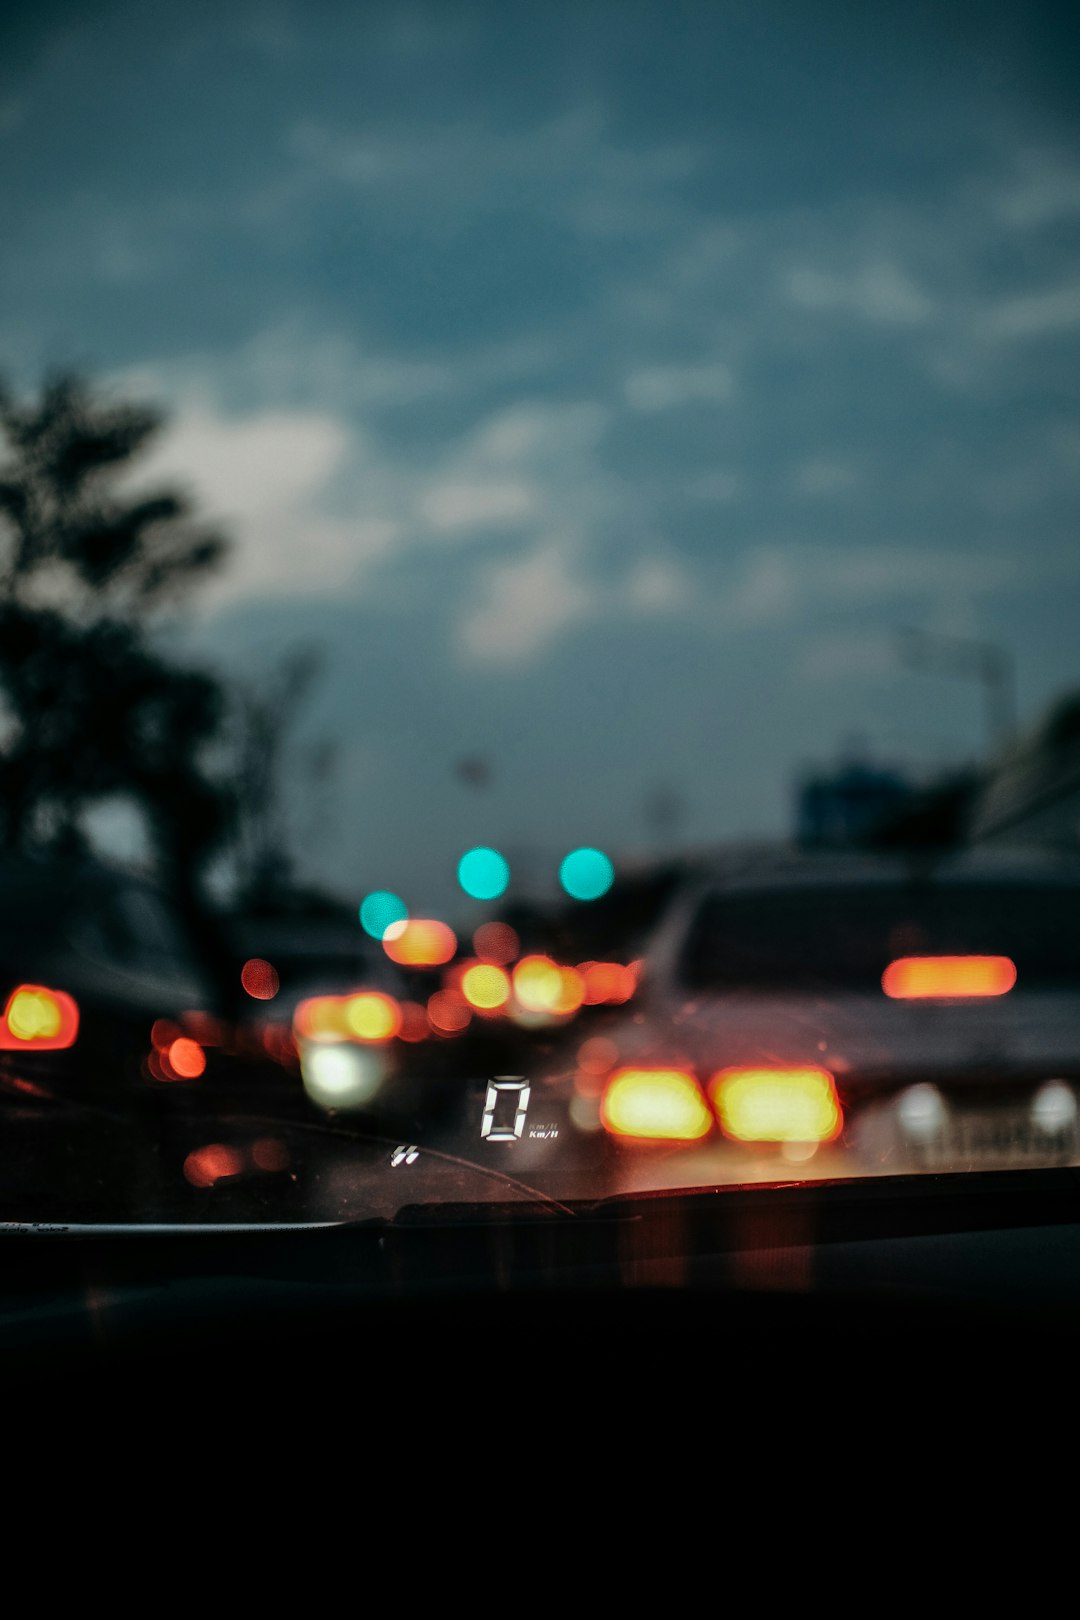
<point x="599" y="387"/>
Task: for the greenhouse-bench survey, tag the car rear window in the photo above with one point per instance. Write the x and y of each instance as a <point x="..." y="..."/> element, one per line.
<point x="829" y="938"/>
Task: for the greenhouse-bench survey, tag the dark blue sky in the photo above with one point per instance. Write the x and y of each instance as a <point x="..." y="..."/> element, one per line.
<point x="599" y="385"/>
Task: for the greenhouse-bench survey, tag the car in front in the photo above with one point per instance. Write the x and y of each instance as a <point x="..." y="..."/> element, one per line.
<point x="853" y="1015"/>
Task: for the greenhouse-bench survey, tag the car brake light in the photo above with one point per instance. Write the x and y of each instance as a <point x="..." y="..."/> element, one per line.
<point x="38" y="1019"/>
<point x="917" y="978"/>
<point x="777" y="1105"/>
<point x="658" y="1104"/>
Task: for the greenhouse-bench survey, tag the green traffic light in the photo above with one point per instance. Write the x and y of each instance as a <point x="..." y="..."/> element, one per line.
<point x="586" y="874"/>
<point x="484" y="873"/>
<point x="379" y="910"/>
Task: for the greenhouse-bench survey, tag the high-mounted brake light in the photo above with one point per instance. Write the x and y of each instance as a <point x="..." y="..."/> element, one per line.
<point x="777" y="1105"/>
<point x="661" y="1105"/>
<point x="925" y="978"/>
<point x="38" y="1019"/>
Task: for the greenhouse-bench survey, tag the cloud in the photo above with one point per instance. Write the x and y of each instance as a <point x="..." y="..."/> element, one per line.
<point x="879" y="292"/>
<point x="265" y="476"/>
<point x="820" y="477"/>
<point x="570" y="165"/>
<point x="451" y="505"/>
<point x="663" y="388"/>
<point x="527" y="603"/>
<point x="1035" y="314"/>
<point x="1044" y="188"/>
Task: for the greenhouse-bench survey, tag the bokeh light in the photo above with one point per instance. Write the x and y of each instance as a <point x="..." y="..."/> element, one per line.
<point x="162" y="1034"/>
<point x="35" y="1015"/>
<point x="320" y="1018"/>
<point x="496" y="942"/>
<point x="913" y="978"/>
<point x="268" y="1153"/>
<point x="661" y="1105"/>
<point x="186" y="1058"/>
<point x="212" y="1163"/>
<point x="571" y="992"/>
<point x="420" y="942"/>
<point x="414" y="1022"/>
<point x="485" y="986"/>
<point x="259" y="978"/>
<point x="586" y="874"/>
<point x="537" y="983"/>
<point x="371" y="1016"/>
<point x="483" y="873"/>
<point x="204" y="1028"/>
<point x="777" y="1105"/>
<point x="607" y="982"/>
<point x="380" y="910"/>
<point x="342" y="1076"/>
<point x="597" y="1055"/>
<point x="448" y="1012"/>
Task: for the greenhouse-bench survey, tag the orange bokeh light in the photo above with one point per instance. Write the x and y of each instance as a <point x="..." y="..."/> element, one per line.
<point x="537" y="982"/>
<point x="162" y="1034"/>
<point x="259" y="978"/>
<point x="267" y="1153"/>
<point x="187" y="1058"/>
<point x="607" y="982"/>
<point x="204" y="1028"/>
<point x="420" y="942"/>
<point x="414" y="1022"/>
<point x="919" y="978"/>
<point x="214" y="1162"/>
<point x="448" y="1012"/>
<point x="571" y="992"/>
<point x="597" y="1055"/>
<point x="496" y="942"/>
<point x="320" y="1018"/>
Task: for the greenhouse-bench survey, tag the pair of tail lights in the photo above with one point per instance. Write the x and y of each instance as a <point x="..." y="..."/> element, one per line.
<point x="751" y="1105"/>
<point x="38" y="1019"/>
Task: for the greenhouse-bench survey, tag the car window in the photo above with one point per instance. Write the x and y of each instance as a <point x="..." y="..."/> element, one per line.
<point x="846" y="938"/>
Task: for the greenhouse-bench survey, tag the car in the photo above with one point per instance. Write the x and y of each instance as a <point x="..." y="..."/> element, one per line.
<point x="119" y="959"/>
<point x="867" y="1013"/>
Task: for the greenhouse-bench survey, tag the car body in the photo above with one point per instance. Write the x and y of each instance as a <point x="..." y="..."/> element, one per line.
<point x="117" y="946"/>
<point x="795" y="967"/>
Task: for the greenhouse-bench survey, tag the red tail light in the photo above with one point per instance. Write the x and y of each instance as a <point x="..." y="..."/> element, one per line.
<point x="777" y="1105"/>
<point x="919" y="978"/>
<point x="38" y="1019"/>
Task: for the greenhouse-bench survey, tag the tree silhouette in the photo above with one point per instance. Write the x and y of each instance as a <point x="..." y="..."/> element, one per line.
<point x="90" y="707"/>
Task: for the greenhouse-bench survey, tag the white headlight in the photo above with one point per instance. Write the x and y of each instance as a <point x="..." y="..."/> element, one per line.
<point x="1053" y="1107"/>
<point x="921" y="1111"/>
<point x="341" y="1076"/>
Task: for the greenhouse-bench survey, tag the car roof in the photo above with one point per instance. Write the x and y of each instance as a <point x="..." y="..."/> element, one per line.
<point x="788" y="869"/>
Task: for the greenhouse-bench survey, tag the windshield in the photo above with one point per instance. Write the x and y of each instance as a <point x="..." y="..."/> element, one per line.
<point x="539" y="601"/>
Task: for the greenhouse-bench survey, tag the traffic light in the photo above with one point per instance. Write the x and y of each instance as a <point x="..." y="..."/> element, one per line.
<point x="483" y="873"/>
<point x="586" y="874"/>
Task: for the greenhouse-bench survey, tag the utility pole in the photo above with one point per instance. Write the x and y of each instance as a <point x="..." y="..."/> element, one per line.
<point x="987" y="662"/>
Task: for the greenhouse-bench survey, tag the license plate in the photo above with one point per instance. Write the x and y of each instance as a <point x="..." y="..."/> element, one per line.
<point x="996" y="1138"/>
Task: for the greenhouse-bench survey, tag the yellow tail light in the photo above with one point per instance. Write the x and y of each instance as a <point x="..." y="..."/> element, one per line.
<point x="777" y="1105"/>
<point x="38" y="1019"/>
<point x="661" y="1105"/>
